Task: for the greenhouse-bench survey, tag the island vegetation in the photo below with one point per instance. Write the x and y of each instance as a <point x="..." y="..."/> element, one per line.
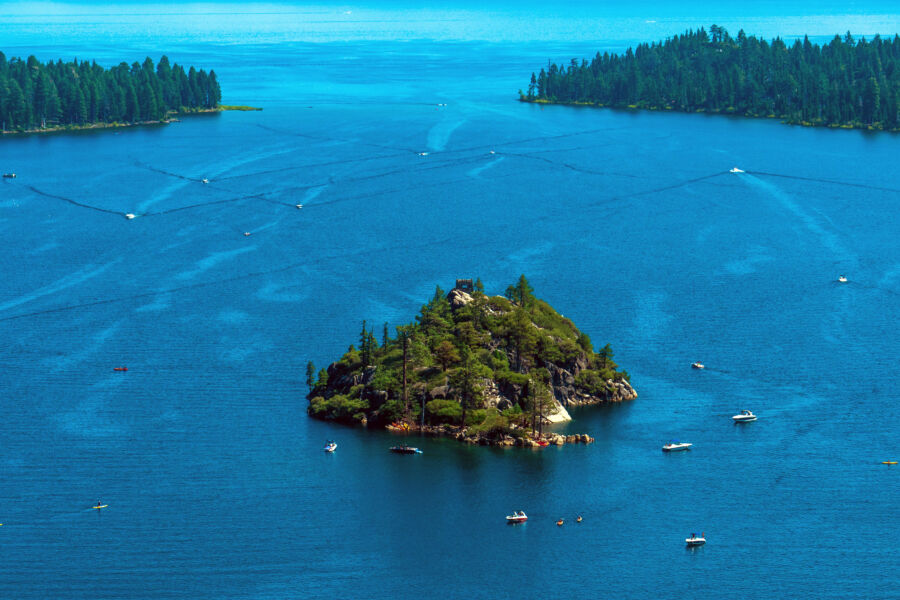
<point x="36" y="96"/>
<point x="492" y="368"/>
<point x="848" y="82"/>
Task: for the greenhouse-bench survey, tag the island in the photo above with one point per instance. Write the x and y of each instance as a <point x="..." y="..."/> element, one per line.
<point x="54" y="96"/>
<point x="490" y="370"/>
<point x="846" y="83"/>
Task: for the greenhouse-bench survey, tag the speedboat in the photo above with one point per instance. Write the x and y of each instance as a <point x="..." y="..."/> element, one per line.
<point x="695" y="540"/>
<point x="129" y="216"/>
<point x="735" y="170"/>
<point x="246" y="234"/>
<point x="745" y="417"/>
<point x="423" y="154"/>
<point x="299" y="205"/>
<point x="698" y="365"/>
<point x="330" y="446"/>
<point x="9" y="176"/>
<point x="204" y="180"/>
<point x="518" y="516"/>
<point x="842" y="279"/>
<point x="560" y="523"/>
<point x="676" y="446"/>
<point x="405" y="450"/>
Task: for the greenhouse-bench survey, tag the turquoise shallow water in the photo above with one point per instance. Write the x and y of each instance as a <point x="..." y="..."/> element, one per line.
<point x="628" y="223"/>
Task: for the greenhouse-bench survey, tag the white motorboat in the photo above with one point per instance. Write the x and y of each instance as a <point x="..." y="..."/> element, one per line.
<point x="518" y="516"/>
<point x="695" y="540"/>
<point x="299" y="205"/>
<point x="676" y="446"/>
<point x="423" y="154"/>
<point x="204" y="180"/>
<point x="735" y="170"/>
<point x="698" y="365"/>
<point x="745" y="417"/>
<point x="842" y="279"/>
<point x="129" y="216"/>
<point x="330" y="446"/>
<point x="246" y="234"/>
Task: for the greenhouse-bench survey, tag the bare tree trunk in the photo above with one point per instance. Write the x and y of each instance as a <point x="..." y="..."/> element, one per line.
<point x="405" y="396"/>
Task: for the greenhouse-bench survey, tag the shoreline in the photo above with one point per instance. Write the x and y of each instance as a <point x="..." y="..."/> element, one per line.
<point x="172" y="117"/>
<point x="507" y="441"/>
<point x="634" y="107"/>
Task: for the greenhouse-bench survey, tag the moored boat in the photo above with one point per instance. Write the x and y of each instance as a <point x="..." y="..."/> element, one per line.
<point x="518" y="516"/>
<point x="745" y="417"/>
<point x="676" y="446"/>
<point x="405" y="450"/>
<point x="330" y="446"/>
<point x="696" y="540"/>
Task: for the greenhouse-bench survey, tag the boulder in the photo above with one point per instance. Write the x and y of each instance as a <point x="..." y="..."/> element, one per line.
<point x="458" y="298"/>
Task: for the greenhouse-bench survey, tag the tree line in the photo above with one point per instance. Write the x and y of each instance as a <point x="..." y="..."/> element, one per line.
<point x="847" y="82"/>
<point x="36" y="95"/>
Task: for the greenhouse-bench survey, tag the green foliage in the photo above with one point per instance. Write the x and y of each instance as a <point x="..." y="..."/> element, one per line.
<point x="844" y="83"/>
<point x="35" y="94"/>
<point x="490" y="338"/>
<point x="493" y="424"/>
<point x="592" y="382"/>
<point x="443" y="411"/>
<point x="446" y="354"/>
<point x="310" y="375"/>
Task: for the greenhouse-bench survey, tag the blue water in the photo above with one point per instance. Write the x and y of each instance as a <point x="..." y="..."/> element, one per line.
<point x="628" y="223"/>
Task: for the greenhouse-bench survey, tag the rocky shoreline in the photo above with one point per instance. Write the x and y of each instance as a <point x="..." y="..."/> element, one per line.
<point x="508" y="441"/>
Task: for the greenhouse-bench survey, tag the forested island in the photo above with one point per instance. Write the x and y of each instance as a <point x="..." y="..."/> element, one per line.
<point x="487" y="369"/>
<point x="36" y="96"/>
<point x="850" y="83"/>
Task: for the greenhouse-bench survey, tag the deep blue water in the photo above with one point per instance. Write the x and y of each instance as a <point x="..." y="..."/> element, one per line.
<point x="628" y="223"/>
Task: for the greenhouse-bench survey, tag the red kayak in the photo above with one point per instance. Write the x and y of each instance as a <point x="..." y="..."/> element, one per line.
<point x="120" y="368"/>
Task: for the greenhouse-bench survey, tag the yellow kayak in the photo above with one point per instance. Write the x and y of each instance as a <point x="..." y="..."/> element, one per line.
<point x="101" y="506"/>
<point x="889" y="462"/>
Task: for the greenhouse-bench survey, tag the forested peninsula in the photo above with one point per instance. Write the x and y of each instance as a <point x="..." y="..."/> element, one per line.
<point x="36" y="96"/>
<point x="848" y="83"/>
<point x="485" y="369"/>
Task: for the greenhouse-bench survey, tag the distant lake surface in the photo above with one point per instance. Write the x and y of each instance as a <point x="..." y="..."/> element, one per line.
<point x="629" y="223"/>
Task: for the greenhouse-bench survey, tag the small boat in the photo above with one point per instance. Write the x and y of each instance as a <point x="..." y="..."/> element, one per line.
<point x="120" y="368"/>
<point x="745" y="417"/>
<point x="518" y="516"/>
<point x="842" y="279"/>
<point x="735" y="170"/>
<point x="579" y="519"/>
<point x="560" y="523"/>
<point x="676" y="446"/>
<point x="492" y="152"/>
<point x="129" y="216"/>
<point x="299" y="205"/>
<point x="695" y="540"/>
<point x="543" y="443"/>
<point x="9" y="176"/>
<point x="423" y="154"/>
<point x="246" y="234"/>
<point x="204" y="180"/>
<point x="99" y="506"/>
<point x="698" y="365"/>
<point x="889" y="462"/>
<point x="405" y="450"/>
<point x="330" y="446"/>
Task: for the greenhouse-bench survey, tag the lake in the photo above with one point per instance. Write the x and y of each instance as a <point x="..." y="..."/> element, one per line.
<point x="629" y="223"/>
